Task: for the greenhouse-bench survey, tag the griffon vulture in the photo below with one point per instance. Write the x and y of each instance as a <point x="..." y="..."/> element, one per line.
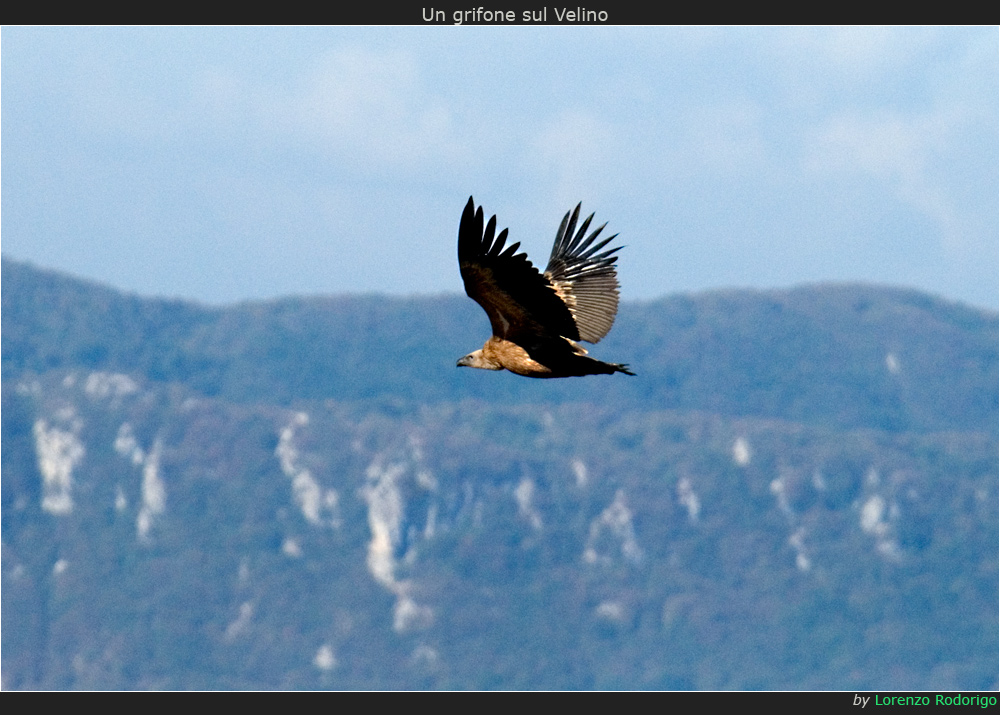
<point x="538" y="317"/>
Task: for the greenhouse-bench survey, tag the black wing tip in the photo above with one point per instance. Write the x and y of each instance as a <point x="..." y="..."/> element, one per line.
<point x="479" y="236"/>
<point x="573" y="241"/>
<point x="469" y="212"/>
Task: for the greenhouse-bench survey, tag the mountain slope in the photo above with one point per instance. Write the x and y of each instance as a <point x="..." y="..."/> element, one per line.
<point x="851" y="356"/>
<point x="307" y="494"/>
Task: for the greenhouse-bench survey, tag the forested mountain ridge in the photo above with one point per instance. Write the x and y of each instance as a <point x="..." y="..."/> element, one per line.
<point x="844" y="355"/>
<point x="798" y="490"/>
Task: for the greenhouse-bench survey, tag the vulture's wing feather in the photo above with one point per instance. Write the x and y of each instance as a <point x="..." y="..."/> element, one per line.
<point x="583" y="278"/>
<point x="519" y="301"/>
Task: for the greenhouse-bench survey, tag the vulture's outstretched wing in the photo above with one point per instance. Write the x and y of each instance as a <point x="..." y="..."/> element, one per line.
<point x="520" y="302"/>
<point x="584" y="279"/>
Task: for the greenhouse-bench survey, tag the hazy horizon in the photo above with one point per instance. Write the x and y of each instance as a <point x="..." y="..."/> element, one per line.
<point x="230" y="164"/>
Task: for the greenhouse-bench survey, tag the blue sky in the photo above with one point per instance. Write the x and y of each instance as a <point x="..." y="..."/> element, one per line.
<point x="226" y="164"/>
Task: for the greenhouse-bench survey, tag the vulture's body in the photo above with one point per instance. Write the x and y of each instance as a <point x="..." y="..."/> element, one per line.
<point x="537" y="318"/>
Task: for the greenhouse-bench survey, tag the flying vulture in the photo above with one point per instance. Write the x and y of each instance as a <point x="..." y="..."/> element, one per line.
<point x="538" y="317"/>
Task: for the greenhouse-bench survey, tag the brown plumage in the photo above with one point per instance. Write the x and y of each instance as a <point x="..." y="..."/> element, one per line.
<point x="538" y="317"/>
